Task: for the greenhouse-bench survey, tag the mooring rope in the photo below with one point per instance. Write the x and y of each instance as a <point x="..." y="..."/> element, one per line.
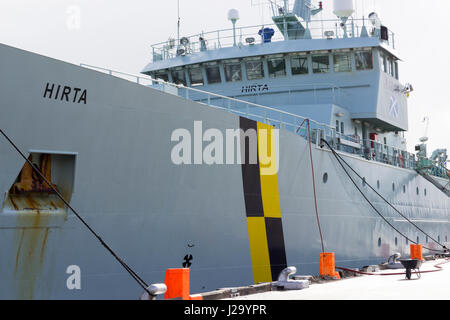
<point x="339" y="158"/>
<point x="313" y="180"/>
<point x="133" y="274"/>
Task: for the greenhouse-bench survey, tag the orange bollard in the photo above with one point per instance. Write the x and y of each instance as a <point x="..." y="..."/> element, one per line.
<point x="327" y="265"/>
<point x="416" y="251"/>
<point x="177" y="282"/>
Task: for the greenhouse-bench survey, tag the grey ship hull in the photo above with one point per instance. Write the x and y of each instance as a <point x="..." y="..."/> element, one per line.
<point x="112" y="161"/>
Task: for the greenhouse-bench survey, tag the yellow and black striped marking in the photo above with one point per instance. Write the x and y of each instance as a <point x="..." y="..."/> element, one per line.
<point x="262" y="202"/>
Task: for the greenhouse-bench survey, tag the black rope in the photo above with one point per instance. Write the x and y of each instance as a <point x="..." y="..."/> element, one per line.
<point x="133" y="274"/>
<point x="314" y="186"/>
<point x="339" y="158"/>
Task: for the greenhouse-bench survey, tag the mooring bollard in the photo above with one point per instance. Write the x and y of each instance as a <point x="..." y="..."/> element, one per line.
<point x="327" y="265"/>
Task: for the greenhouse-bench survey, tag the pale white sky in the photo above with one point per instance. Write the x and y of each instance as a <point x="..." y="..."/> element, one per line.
<point x="118" y="34"/>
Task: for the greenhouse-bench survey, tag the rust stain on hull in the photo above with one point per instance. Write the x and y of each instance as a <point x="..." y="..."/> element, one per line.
<point x="34" y="234"/>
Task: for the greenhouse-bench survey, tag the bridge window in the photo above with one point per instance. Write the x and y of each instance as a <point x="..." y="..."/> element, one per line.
<point x="179" y="76"/>
<point x="299" y="64"/>
<point x="342" y="62"/>
<point x="364" y="60"/>
<point x="213" y="73"/>
<point x="396" y="69"/>
<point x="383" y="63"/>
<point x="233" y="70"/>
<point x="196" y="76"/>
<point x="321" y="63"/>
<point x="161" y="75"/>
<point x="277" y="66"/>
<point x="255" y="69"/>
<point x="391" y="67"/>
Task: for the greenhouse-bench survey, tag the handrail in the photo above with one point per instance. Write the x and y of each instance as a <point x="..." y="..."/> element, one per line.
<point x="225" y="37"/>
<point x="112" y="72"/>
<point x="408" y="161"/>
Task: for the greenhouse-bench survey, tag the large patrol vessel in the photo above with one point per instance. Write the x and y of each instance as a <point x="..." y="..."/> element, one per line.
<point x="236" y="154"/>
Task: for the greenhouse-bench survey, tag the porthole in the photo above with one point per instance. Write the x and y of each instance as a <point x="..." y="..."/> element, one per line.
<point x="379" y="242"/>
<point x="325" y="177"/>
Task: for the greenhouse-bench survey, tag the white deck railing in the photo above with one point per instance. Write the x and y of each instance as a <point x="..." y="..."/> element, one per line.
<point x="224" y="38"/>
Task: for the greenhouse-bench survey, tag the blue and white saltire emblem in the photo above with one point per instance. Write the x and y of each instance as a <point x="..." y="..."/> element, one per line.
<point x="393" y="107"/>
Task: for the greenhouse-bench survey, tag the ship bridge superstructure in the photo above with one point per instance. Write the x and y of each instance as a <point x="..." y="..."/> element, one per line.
<point x="343" y="72"/>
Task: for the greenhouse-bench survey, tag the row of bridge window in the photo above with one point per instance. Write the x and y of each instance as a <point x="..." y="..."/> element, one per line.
<point x="273" y="66"/>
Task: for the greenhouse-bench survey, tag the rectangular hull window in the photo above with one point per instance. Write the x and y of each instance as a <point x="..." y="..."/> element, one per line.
<point x="179" y="77"/>
<point x="277" y="67"/>
<point x="233" y="71"/>
<point x="255" y="70"/>
<point x="299" y="65"/>
<point x="196" y="76"/>
<point x="342" y="62"/>
<point x="321" y="63"/>
<point x="364" y="60"/>
<point x="213" y="73"/>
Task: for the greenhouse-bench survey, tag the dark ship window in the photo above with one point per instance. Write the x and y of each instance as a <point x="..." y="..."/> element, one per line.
<point x="364" y="60"/>
<point x="233" y="70"/>
<point x="325" y="177"/>
<point x="255" y="69"/>
<point x="321" y="63"/>
<point x="418" y="240"/>
<point x="342" y="62"/>
<point x="213" y="73"/>
<point x="364" y="182"/>
<point x="404" y="189"/>
<point x="196" y="76"/>
<point x="162" y="76"/>
<point x="425" y="192"/>
<point x="378" y="184"/>
<point x="179" y="77"/>
<point x="379" y="242"/>
<point x="299" y="64"/>
<point x="277" y="66"/>
<point x="393" y="186"/>
<point x="396" y="241"/>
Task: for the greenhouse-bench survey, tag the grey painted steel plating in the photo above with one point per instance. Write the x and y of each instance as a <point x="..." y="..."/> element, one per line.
<point x="153" y="212"/>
